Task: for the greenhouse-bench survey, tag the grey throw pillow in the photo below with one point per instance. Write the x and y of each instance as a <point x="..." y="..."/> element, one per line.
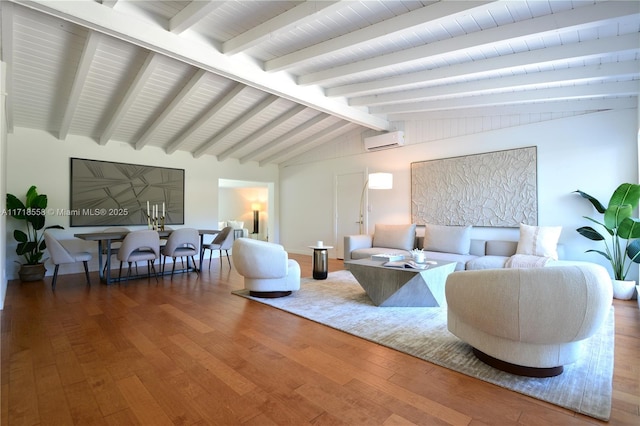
<point x="400" y="237"/>
<point x="447" y="239"/>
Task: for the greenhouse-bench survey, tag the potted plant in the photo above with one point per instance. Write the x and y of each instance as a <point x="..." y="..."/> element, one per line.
<point x="622" y="248"/>
<point x="31" y="244"/>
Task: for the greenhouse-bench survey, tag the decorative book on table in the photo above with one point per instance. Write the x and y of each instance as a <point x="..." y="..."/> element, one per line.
<point x="387" y="257"/>
<point x="406" y="264"/>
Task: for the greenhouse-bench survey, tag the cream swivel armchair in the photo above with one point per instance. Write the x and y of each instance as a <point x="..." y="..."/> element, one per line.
<point x="184" y="242"/>
<point x="138" y="246"/>
<point x="59" y="255"/>
<point x="222" y="241"/>
<point x="266" y="267"/>
<point x="528" y="321"/>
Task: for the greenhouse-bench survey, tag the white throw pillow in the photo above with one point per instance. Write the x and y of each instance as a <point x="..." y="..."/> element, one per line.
<point x="235" y="224"/>
<point x="539" y="240"/>
<point x="401" y="237"/>
<point x="447" y="239"/>
<point x="222" y="225"/>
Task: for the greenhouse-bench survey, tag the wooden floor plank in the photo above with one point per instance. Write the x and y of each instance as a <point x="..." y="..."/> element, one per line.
<point x="186" y="351"/>
<point x="143" y="405"/>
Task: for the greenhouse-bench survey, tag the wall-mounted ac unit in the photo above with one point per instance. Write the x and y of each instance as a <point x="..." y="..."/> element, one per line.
<point x="384" y="141"/>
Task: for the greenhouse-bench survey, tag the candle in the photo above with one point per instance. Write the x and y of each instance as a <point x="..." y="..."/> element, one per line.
<point x="148" y="209"/>
<point x="163" y="209"/>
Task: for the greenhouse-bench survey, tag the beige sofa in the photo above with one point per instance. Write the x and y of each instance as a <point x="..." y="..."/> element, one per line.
<point x="444" y="243"/>
<point x="529" y="321"/>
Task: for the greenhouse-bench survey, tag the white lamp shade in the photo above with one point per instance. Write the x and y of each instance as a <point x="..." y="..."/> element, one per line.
<point x="380" y="181"/>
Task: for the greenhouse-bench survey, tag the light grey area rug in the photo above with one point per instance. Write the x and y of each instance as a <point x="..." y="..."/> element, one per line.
<point x="339" y="302"/>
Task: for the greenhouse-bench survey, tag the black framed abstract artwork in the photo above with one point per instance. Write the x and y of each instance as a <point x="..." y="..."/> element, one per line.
<point x="107" y="193"/>
<point x="494" y="189"/>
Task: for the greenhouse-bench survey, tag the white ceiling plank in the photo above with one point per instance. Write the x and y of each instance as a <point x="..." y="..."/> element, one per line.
<point x="135" y="88"/>
<point x="296" y="149"/>
<point x="318" y="119"/>
<point x="187" y="91"/>
<point x="237" y="124"/>
<point x="628" y="88"/>
<point x="402" y="23"/>
<point x="193" y="13"/>
<point x="583" y="50"/>
<point x="517" y="82"/>
<point x="205" y="118"/>
<point x="341" y="131"/>
<point x="583" y="17"/>
<point x="7" y="58"/>
<point x="298" y="109"/>
<point x="559" y="106"/>
<point x="80" y="78"/>
<point x="238" y="68"/>
<point x="295" y="17"/>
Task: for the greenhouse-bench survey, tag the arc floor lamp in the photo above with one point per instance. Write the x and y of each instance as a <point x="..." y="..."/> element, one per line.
<point x="374" y="181"/>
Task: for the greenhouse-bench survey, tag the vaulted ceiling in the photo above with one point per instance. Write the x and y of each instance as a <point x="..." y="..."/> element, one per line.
<point x="268" y="80"/>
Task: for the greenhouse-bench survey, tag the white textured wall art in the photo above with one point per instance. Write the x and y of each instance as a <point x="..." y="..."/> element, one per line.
<point x="496" y="189"/>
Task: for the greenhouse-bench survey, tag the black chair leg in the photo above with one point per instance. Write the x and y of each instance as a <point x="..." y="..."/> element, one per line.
<point x="173" y="267"/>
<point x="155" y="273"/>
<point x="164" y="261"/>
<point x="55" y="277"/>
<point x="228" y="260"/>
<point x="86" y="271"/>
<point x="120" y="272"/>
<point x="129" y="271"/>
<point x="195" y="268"/>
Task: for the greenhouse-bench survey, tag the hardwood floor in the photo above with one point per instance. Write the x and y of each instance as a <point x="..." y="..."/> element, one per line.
<point x="187" y="352"/>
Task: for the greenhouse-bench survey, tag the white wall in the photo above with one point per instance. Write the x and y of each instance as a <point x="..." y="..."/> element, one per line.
<point x="38" y="158"/>
<point x="593" y="153"/>
<point x="3" y="184"/>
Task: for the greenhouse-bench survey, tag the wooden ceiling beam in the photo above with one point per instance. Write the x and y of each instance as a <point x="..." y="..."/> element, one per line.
<point x="236" y="125"/>
<point x="133" y="91"/>
<point x="272" y="125"/>
<point x="583" y="50"/>
<point x="291" y="134"/>
<point x="295" y="17"/>
<point x="571" y="20"/>
<point x="192" y="86"/>
<point x="82" y="72"/>
<point x="403" y="23"/>
<point x="568" y="76"/>
<point x="239" y="67"/>
<point x="585" y="91"/>
<point x="209" y="115"/>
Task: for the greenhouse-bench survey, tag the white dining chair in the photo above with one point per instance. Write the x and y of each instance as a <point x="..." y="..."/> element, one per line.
<point x="222" y="241"/>
<point x="59" y="255"/>
<point x="138" y="246"/>
<point x="183" y="242"/>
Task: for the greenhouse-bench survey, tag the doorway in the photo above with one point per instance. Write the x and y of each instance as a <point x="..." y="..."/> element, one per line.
<point x="348" y="192"/>
<point x="239" y="200"/>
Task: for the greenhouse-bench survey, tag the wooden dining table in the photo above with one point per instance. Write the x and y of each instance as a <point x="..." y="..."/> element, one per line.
<point x="106" y="239"/>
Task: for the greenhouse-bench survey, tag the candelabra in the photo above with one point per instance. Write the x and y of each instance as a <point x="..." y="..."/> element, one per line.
<point x="154" y="220"/>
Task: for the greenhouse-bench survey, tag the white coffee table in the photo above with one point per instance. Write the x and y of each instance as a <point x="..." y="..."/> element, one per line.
<point x="388" y="286"/>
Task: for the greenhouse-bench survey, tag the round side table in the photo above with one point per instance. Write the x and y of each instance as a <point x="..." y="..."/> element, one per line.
<point x="320" y="262"/>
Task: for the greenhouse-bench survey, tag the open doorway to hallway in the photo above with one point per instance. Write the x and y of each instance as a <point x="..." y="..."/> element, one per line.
<point x="248" y="205"/>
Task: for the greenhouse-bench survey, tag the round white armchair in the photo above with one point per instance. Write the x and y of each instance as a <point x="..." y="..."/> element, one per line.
<point x="266" y="268"/>
<point x="528" y="321"/>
